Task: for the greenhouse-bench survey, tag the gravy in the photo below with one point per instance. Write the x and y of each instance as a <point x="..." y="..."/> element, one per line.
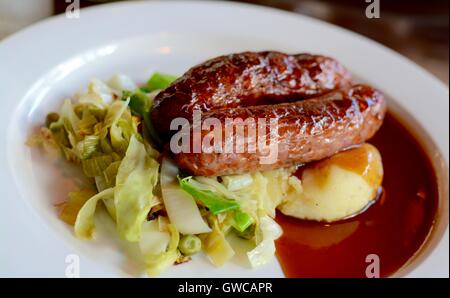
<point x="393" y="228"/>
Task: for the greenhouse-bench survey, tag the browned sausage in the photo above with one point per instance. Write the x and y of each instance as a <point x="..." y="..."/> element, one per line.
<point x="308" y="130"/>
<point x="246" y="79"/>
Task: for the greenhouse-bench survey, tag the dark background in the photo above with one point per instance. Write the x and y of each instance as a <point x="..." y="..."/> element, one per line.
<point x="418" y="29"/>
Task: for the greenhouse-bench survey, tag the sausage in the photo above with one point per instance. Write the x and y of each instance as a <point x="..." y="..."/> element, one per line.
<point x="246" y="79"/>
<point x="308" y="130"/>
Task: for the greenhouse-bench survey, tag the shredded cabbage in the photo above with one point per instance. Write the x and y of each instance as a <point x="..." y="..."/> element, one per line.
<point x="117" y="109"/>
<point x="216" y="246"/>
<point x="96" y="165"/>
<point x="153" y="239"/>
<point x="133" y="195"/>
<point x="258" y="194"/>
<point x="99" y="132"/>
<point x="84" y="224"/>
<point x="268" y="232"/>
<point x="158" y="255"/>
<point x="181" y="208"/>
<point x="214" y="201"/>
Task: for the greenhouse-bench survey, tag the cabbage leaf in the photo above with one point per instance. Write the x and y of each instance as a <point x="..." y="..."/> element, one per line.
<point x="133" y="195"/>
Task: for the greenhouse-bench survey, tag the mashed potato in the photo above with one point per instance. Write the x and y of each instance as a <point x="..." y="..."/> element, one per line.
<point x="337" y="187"/>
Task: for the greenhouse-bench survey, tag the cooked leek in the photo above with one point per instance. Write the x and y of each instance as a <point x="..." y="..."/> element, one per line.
<point x="181" y="208"/>
<point x="213" y="201"/>
<point x="110" y="173"/>
<point x="96" y="165"/>
<point x="87" y="123"/>
<point x="241" y="221"/>
<point x="140" y="104"/>
<point x="159" y="81"/>
<point x="87" y="146"/>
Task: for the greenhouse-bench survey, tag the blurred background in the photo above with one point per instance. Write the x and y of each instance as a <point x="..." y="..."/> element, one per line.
<point x="418" y="29"/>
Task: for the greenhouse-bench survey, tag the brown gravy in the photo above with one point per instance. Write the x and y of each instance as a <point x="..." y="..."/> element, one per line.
<point x="393" y="228"/>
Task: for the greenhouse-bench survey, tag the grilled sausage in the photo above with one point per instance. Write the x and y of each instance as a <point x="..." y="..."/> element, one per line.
<point x="246" y="79"/>
<point x="308" y="130"/>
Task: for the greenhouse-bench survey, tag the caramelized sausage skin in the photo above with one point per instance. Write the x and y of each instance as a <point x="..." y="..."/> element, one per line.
<point x="246" y="79"/>
<point x="307" y="130"/>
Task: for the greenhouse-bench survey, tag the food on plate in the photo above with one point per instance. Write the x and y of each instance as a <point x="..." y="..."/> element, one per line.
<point x="396" y="227"/>
<point x="337" y="187"/>
<point x="173" y="205"/>
<point x="308" y="130"/>
<point x="247" y="79"/>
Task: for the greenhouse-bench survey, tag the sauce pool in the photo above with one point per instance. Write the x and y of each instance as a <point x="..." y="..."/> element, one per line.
<point x="393" y="228"/>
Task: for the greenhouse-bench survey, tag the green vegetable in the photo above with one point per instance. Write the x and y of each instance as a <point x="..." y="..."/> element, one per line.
<point x="210" y="195"/>
<point x="241" y="221"/>
<point x="141" y="104"/>
<point x="153" y="239"/>
<point x="88" y="146"/>
<point x="96" y="165"/>
<point x="180" y="206"/>
<point x="86" y="124"/>
<point x="100" y="134"/>
<point x="84" y="224"/>
<point x="98" y="113"/>
<point x="216" y="246"/>
<point x="133" y="195"/>
<point x="190" y="245"/>
<point x="110" y="207"/>
<point x="213" y="201"/>
<point x="157" y="254"/>
<point x="159" y="81"/>
<point x="248" y="234"/>
<point x="115" y="111"/>
<point x="110" y="173"/>
<point x="129" y="128"/>
<point x="108" y="177"/>
<point x="105" y="145"/>
<point x="69" y="119"/>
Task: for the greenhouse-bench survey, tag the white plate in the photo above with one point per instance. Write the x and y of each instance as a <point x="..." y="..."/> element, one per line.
<point x="46" y="62"/>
